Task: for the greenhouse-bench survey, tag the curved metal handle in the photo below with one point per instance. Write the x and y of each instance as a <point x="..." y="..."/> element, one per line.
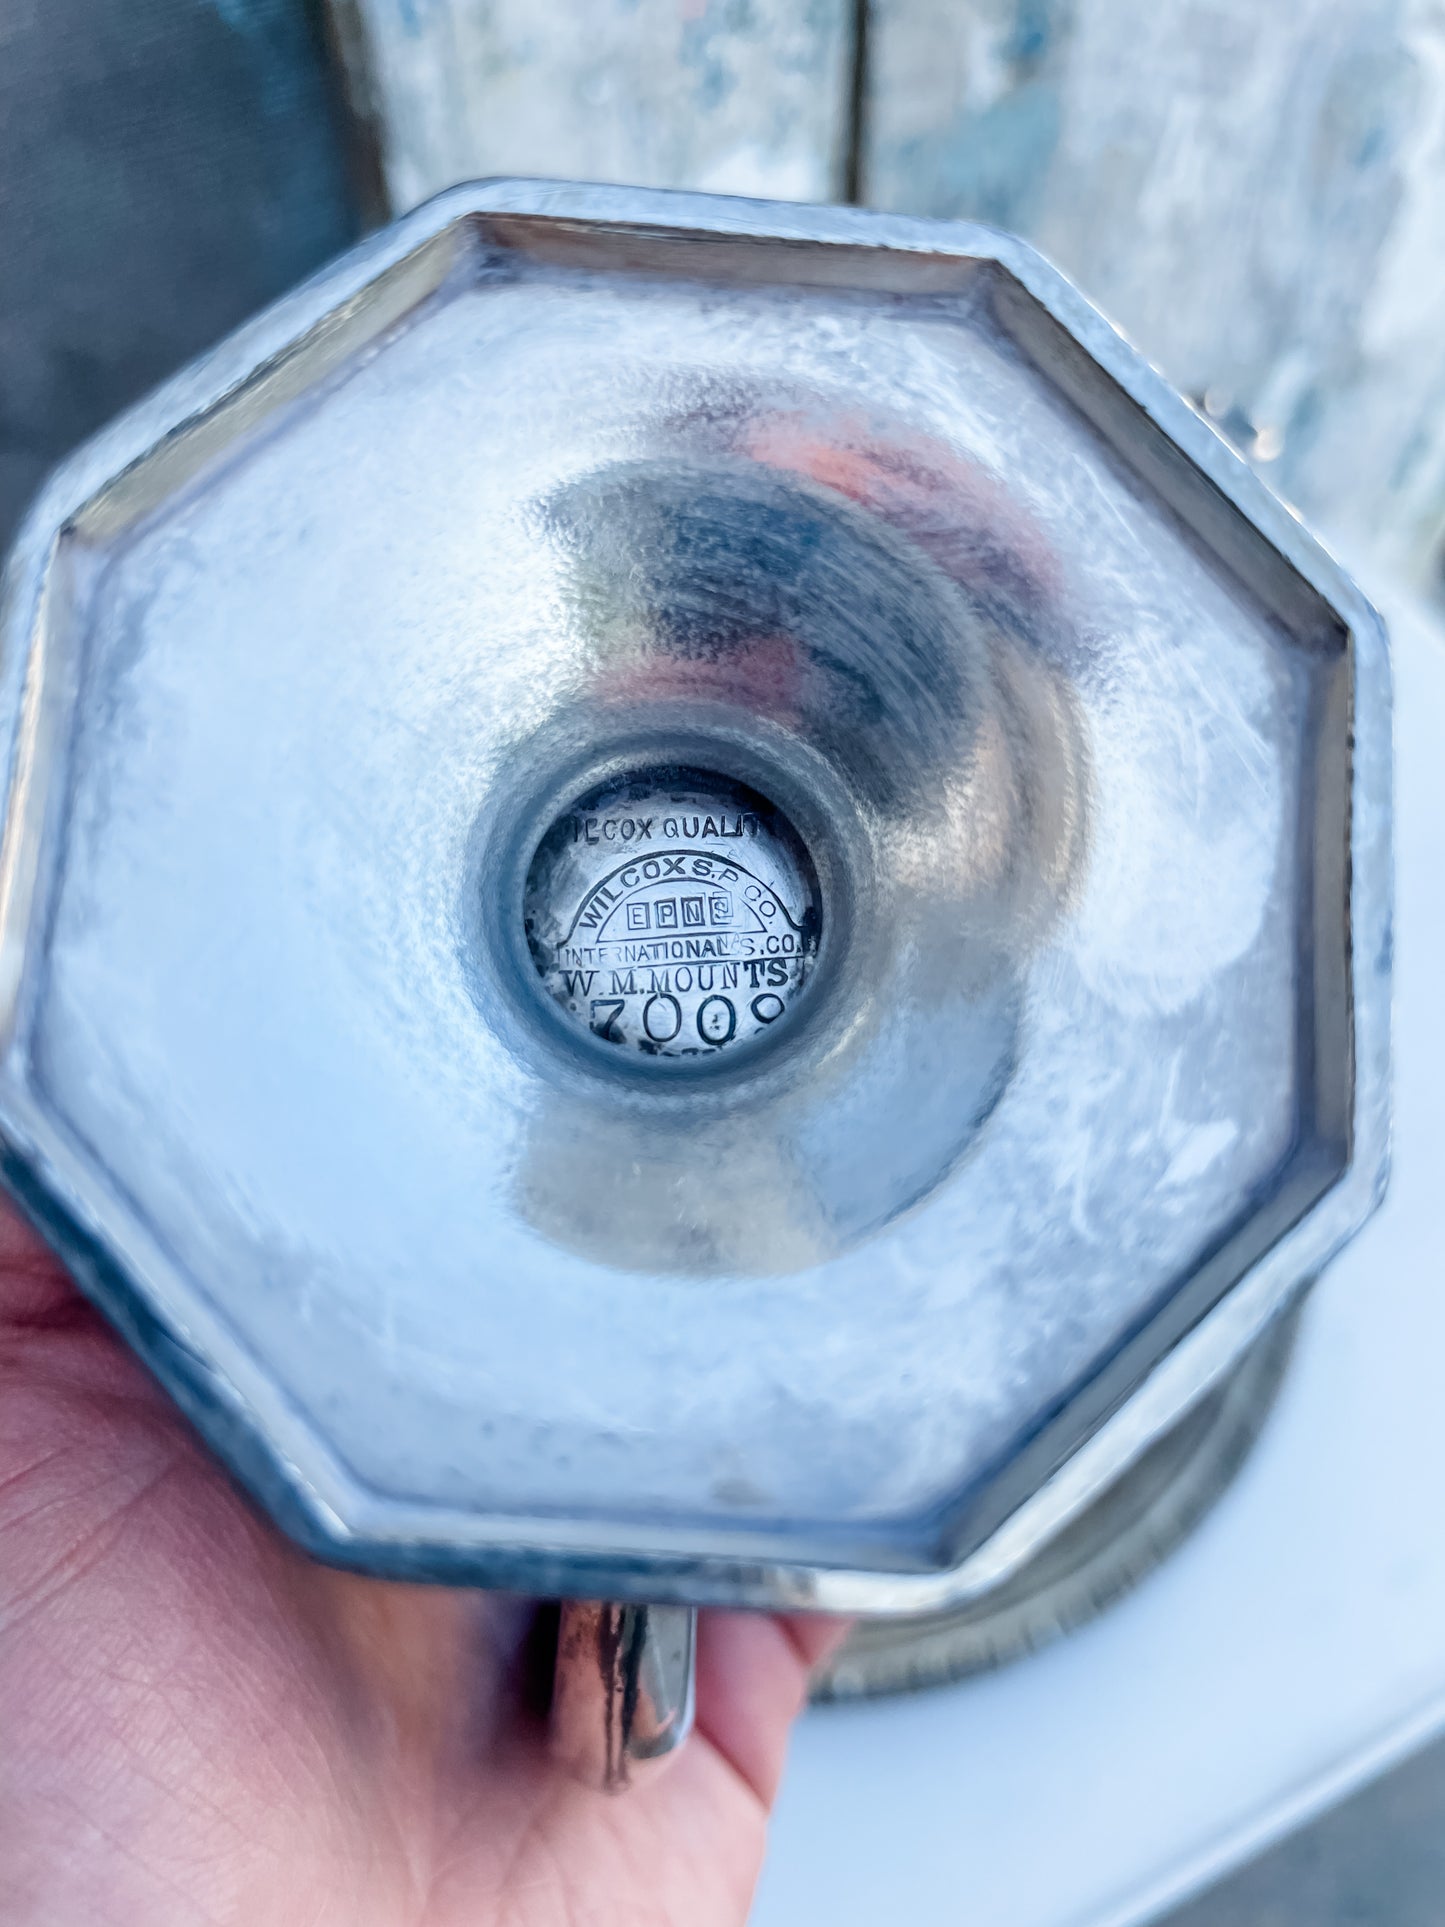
<point x="622" y="1697"/>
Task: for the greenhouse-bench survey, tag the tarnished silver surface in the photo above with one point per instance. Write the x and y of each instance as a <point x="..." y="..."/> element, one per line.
<point x="622" y="1698"/>
<point x="1088" y="748"/>
<point x="735" y="99"/>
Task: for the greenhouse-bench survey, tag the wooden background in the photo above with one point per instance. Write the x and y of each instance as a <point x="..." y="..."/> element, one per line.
<point x="1254" y="190"/>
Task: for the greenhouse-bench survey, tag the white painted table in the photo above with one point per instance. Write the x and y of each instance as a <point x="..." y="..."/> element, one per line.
<point x="1293" y="1648"/>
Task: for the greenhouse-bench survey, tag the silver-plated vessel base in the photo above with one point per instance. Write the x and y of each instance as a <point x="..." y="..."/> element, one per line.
<point x="1102" y="1555"/>
<point x="673" y="912"/>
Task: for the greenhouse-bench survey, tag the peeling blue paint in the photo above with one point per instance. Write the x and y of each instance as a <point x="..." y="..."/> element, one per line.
<point x="1033" y="32"/>
<point x="992" y="166"/>
<point x="994" y="163"/>
<point x="698" y="51"/>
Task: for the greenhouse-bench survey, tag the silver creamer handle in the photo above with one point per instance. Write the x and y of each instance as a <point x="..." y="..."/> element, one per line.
<point x="622" y="1698"/>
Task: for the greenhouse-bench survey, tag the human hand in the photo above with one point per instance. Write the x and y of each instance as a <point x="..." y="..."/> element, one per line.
<point x="198" y="1724"/>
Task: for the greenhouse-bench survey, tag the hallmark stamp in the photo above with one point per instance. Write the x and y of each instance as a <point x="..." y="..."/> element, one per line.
<point x="673" y="913"/>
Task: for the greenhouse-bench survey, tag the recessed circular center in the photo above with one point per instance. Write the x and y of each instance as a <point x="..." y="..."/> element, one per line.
<point x="673" y="912"/>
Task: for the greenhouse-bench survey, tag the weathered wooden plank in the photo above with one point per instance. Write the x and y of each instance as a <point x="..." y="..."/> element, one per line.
<point x="1255" y="192"/>
<point x="741" y="96"/>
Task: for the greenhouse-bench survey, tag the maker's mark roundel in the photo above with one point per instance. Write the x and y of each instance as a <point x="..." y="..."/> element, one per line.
<point x="673" y="913"/>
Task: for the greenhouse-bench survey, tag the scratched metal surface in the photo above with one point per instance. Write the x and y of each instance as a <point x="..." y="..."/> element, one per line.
<point x="730" y="99"/>
<point x="317" y="693"/>
<point x="1256" y="194"/>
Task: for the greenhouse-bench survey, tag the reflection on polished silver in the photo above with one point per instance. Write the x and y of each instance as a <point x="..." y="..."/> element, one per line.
<point x="1077" y="751"/>
<point x="622" y="1697"/>
<point x="673" y="912"/>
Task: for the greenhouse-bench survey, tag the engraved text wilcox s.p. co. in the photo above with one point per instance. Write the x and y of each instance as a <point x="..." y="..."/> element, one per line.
<point x="673" y="912"/>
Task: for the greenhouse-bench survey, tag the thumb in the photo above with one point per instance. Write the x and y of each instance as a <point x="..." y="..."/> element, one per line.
<point x="752" y="1682"/>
